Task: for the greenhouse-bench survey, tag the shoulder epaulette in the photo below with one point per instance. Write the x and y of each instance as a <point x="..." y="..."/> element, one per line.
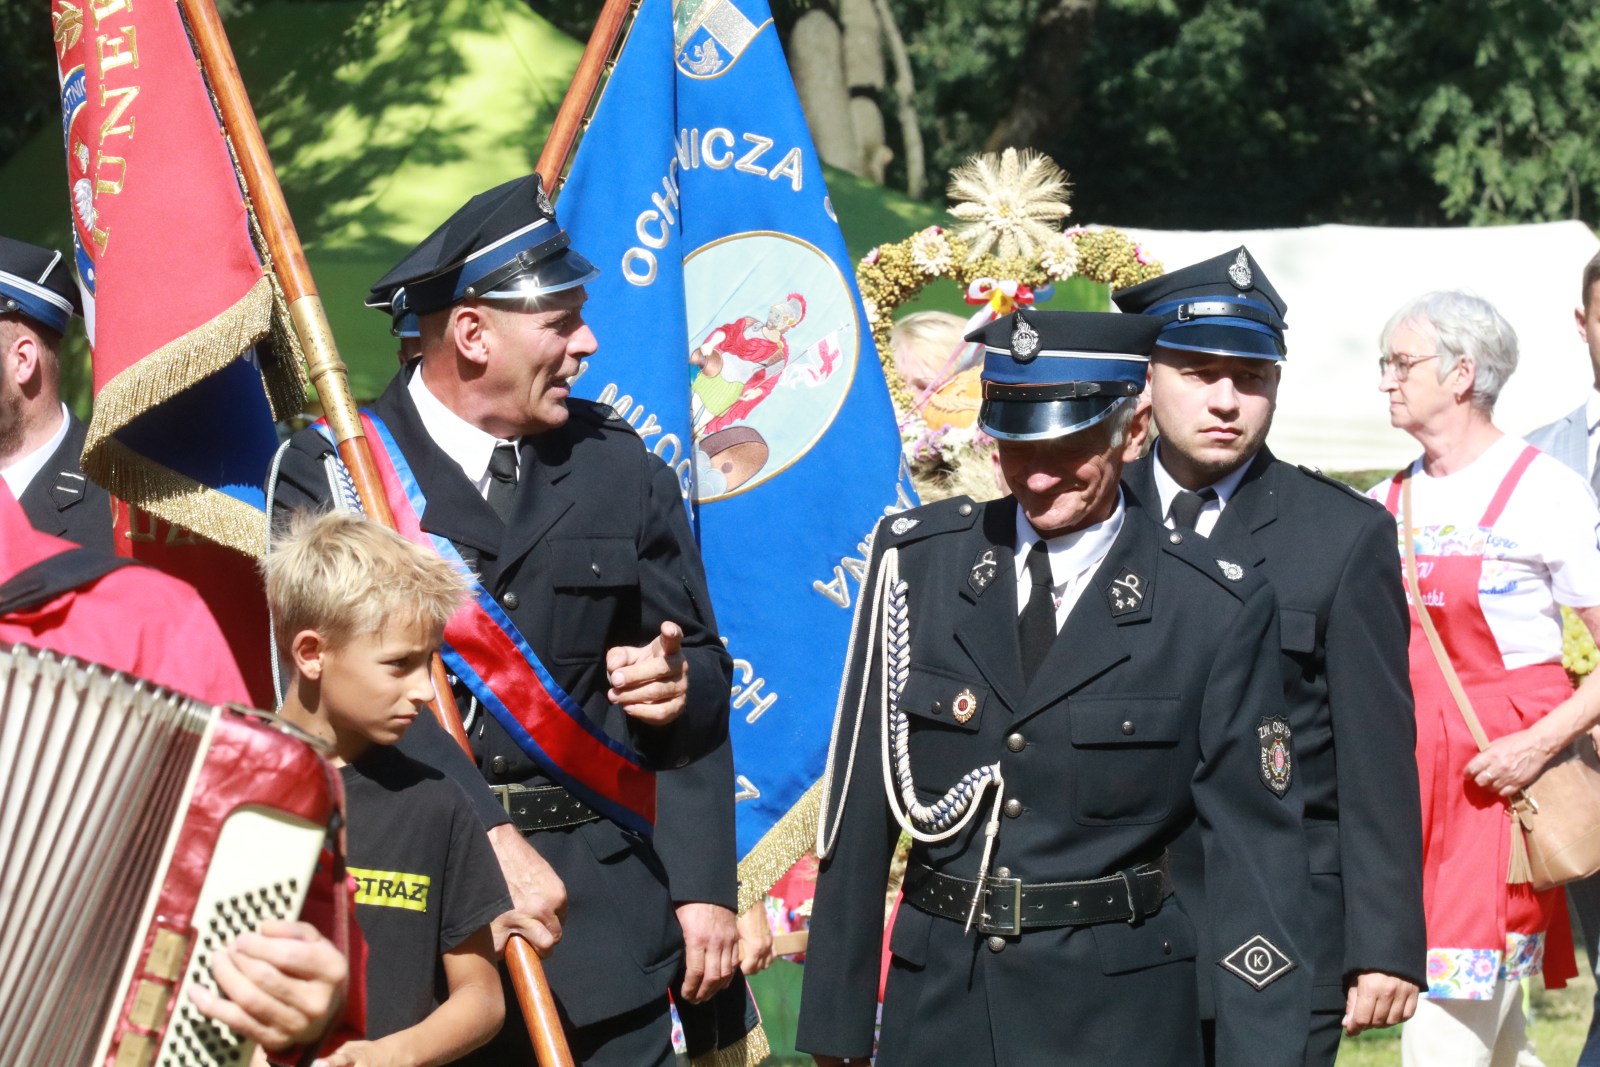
<point x="1348" y="490"/>
<point x="957" y="513"/>
<point x="599" y="414"/>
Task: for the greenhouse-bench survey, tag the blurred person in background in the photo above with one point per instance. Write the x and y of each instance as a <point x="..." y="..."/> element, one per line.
<point x="1502" y="535"/>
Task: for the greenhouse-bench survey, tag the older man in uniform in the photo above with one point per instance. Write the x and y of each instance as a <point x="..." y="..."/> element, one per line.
<point x="582" y="545"/>
<point x="40" y="440"/>
<point x="1330" y="555"/>
<point x="1055" y="688"/>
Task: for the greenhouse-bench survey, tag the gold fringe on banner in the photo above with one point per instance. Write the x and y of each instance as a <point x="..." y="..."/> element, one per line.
<point x="749" y="1050"/>
<point x="155" y="379"/>
<point x="790" y="838"/>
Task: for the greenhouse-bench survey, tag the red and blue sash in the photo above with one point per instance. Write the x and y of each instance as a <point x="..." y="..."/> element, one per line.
<point x="484" y="649"/>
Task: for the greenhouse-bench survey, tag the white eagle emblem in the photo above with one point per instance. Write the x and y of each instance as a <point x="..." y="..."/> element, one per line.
<point x="83" y="203"/>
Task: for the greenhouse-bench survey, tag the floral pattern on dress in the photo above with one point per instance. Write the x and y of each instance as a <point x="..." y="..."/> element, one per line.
<point x="1450" y="540"/>
<point x="1471" y="973"/>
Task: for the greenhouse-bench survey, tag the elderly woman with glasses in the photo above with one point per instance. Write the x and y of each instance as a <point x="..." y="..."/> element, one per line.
<point x="1501" y="534"/>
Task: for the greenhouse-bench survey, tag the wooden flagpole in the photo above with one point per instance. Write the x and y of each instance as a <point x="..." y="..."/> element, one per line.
<point x="598" y="55"/>
<point x="328" y="375"/>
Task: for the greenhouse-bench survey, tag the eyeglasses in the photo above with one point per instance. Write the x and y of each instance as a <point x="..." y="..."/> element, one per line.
<point x="1400" y="364"/>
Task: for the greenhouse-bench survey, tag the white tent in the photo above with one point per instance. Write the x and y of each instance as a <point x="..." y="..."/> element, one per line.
<point x="1343" y="282"/>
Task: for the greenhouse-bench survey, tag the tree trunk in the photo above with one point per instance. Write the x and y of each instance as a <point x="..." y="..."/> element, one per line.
<point x="905" y="89"/>
<point x="864" y="77"/>
<point x="1044" y="106"/>
<point x="816" y="59"/>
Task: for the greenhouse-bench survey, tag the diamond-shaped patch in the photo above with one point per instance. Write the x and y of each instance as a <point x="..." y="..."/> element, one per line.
<point x="1258" y="961"/>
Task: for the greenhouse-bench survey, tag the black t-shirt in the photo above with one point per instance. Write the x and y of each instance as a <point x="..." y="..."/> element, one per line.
<point x="426" y="880"/>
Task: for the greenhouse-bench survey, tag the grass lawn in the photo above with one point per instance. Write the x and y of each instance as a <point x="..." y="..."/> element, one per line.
<point x="1560" y="1021"/>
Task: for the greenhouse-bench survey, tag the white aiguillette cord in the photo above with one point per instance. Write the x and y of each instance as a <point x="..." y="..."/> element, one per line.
<point x="1519" y="870"/>
<point x="950" y="814"/>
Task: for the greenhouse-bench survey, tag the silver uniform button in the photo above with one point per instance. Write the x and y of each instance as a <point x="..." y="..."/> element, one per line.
<point x="1016" y="742"/>
<point x="498" y="765"/>
<point x="596" y="568"/>
<point x="1127" y="728"/>
<point x="997" y="944"/>
<point x="1013" y="808"/>
<point x="509" y="601"/>
<point x="964" y="510"/>
<point x="1002" y="872"/>
<point x="1175" y="537"/>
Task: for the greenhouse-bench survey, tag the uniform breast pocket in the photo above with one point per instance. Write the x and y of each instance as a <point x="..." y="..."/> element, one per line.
<point x="1124" y="755"/>
<point x="595" y="578"/>
<point x="944" y="709"/>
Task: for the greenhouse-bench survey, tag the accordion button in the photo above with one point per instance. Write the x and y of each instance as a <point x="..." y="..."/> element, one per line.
<point x="509" y="601"/>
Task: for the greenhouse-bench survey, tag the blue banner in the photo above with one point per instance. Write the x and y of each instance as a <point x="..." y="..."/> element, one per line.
<point x="733" y="339"/>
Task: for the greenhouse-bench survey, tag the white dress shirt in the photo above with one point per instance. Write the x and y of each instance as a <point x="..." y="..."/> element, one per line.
<point x="1211" y="511"/>
<point x="465" y="444"/>
<point x="1073" y="559"/>
<point x="1591" y="419"/>
<point x="20" y="472"/>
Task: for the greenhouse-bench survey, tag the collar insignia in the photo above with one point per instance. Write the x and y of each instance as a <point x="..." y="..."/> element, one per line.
<point x="903" y="524"/>
<point x="1231" y="571"/>
<point x="1126" y="593"/>
<point x="983" y="569"/>
<point x="1239" y="274"/>
<point x="1024" y="339"/>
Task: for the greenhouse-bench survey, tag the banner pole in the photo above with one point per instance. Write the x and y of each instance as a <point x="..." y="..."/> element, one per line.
<point x="331" y="380"/>
<point x="597" y="56"/>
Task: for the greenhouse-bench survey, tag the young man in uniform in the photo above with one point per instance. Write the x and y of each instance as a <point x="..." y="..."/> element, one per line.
<point x="40" y="440"/>
<point x="588" y="569"/>
<point x="1057" y="688"/>
<point x="1330" y="555"/>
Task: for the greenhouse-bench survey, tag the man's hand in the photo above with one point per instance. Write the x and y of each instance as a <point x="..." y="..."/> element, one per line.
<point x="1511" y="763"/>
<point x="283" y="985"/>
<point x="710" y="949"/>
<point x="1373" y="1000"/>
<point x="363" y="1054"/>
<point x="755" y="941"/>
<point x="651" y="682"/>
<point x="538" y="898"/>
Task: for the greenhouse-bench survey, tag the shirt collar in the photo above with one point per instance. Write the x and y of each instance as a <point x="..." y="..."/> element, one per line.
<point x="20" y="472"/>
<point x="1167" y="488"/>
<point x="1070" y="554"/>
<point x="466" y="445"/>
<point x="1591" y="413"/>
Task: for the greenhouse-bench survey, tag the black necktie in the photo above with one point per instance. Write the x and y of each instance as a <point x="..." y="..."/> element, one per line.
<point x="1186" y="507"/>
<point x="503" y="479"/>
<point x="1036" y="627"/>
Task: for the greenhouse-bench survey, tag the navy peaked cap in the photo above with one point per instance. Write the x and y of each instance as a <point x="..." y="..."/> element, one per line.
<point x="37" y="284"/>
<point x="501" y="244"/>
<point x="1224" y="305"/>
<point x="1051" y="373"/>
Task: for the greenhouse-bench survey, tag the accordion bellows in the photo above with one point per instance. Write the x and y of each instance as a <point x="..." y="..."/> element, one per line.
<point x="140" y="830"/>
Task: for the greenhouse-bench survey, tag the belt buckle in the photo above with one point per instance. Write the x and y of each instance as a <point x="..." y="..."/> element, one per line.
<point x="993" y="886"/>
<point x="1184" y="312"/>
<point x="504" y="793"/>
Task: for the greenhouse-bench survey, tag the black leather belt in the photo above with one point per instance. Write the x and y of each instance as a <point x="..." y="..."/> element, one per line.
<point x="543" y="807"/>
<point x="1009" y="906"/>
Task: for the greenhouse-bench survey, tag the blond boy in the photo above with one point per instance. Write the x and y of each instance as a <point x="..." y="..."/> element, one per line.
<point x="359" y="612"/>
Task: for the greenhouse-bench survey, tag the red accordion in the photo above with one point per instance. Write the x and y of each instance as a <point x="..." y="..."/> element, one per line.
<point x="140" y="831"/>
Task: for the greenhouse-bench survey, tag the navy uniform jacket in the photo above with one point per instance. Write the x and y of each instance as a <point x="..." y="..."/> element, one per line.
<point x="1343" y="624"/>
<point x="597" y="554"/>
<point x="1137" y="723"/>
<point x="62" y="502"/>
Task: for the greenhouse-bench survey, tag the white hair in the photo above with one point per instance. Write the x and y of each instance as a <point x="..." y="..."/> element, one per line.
<point x="1464" y="326"/>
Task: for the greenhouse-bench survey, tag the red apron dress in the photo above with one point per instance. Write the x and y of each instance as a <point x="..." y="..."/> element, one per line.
<point x="1478" y="926"/>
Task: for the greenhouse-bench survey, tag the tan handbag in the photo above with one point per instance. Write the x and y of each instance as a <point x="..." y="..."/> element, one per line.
<point x="1555" y="822"/>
